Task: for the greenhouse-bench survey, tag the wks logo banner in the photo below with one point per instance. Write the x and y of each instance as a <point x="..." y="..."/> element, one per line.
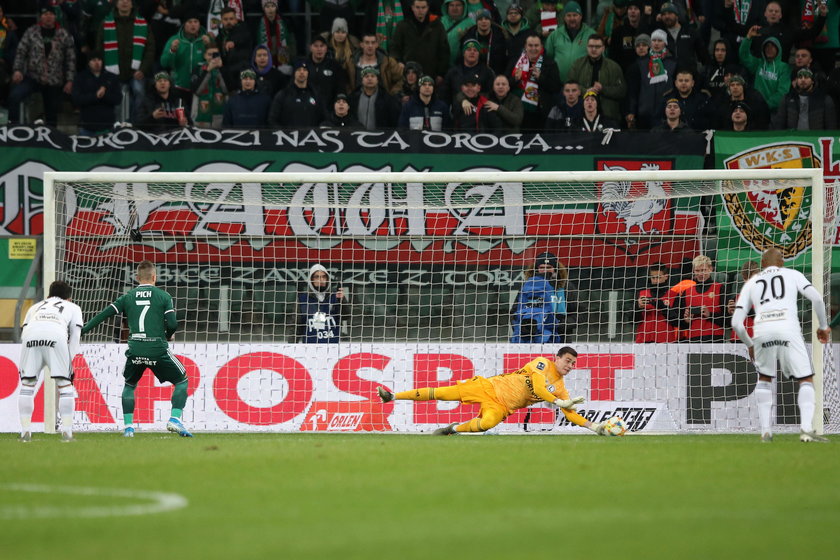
<point x="774" y="214"/>
<point x="634" y="213"/>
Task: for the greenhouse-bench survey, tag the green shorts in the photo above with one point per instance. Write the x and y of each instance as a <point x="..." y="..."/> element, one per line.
<point x="164" y="365"/>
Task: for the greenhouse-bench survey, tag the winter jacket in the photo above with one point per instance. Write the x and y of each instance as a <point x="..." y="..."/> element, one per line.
<point x="565" y="50"/>
<point x="296" y="107"/>
<point x="32" y="61"/>
<point x="494" y="48"/>
<point x="455" y="30"/>
<point x="190" y="54"/>
<point x="390" y="75"/>
<point x="455" y="78"/>
<point x="644" y="93"/>
<point x="246" y="109"/>
<point x="510" y="113"/>
<point x="386" y="108"/>
<point x="125" y="46"/>
<point x="611" y="77"/>
<point x="327" y="78"/>
<point x="695" y="107"/>
<point x="417" y="115"/>
<point x="319" y="312"/>
<point x="238" y="58"/>
<point x="771" y="76"/>
<point x="821" y="111"/>
<point x="689" y="48"/>
<point x="425" y="43"/>
<point x="95" y="113"/>
<point x="759" y="115"/>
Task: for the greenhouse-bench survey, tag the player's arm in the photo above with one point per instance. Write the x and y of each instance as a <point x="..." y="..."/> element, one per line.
<point x="109" y="311"/>
<point x="562" y="398"/>
<point x="810" y="292"/>
<point x="170" y="318"/>
<point x="742" y="309"/>
<point x="540" y="390"/>
<point x="75" y="331"/>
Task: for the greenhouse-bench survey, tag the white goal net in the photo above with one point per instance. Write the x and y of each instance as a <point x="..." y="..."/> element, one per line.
<point x="297" y="295"/>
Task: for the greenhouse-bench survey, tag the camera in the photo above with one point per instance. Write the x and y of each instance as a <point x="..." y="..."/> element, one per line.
<point x="216" y="54"/>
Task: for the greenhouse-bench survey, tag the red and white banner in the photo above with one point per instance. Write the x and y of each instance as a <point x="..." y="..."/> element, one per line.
<point x="293" y="387"/>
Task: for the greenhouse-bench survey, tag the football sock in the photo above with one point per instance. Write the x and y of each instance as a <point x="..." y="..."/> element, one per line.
<point x="764" y="399"/>
<point x="473" y="425"/>
<point x="179" y="397"/>
<point x="128" y="405"/>
<point x="451" y="393"/>
<point x="26" y="405"/>
<point x="66" y="405"/>
<point x="806" y="403"/>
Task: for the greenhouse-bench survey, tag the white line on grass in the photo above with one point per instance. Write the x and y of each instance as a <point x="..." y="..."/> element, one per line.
<point x="157" y="502"/>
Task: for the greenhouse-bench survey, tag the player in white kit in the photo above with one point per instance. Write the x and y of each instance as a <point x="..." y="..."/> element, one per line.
<point x="777" y="337"/>
<point x="50" y="337"/>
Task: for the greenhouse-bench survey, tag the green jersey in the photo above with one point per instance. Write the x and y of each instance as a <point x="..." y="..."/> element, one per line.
<point x="150" y="315"/>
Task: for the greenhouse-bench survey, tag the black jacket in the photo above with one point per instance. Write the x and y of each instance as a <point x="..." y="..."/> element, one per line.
<point x="247" y="109"/>
<point x="296" y="107"/>
<point x="96" y="114"/>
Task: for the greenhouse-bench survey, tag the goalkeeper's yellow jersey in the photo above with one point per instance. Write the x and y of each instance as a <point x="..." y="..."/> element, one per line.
<point x="536" y="381"/>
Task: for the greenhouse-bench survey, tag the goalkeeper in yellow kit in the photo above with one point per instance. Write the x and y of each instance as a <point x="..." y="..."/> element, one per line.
<point x="500" y="396"/>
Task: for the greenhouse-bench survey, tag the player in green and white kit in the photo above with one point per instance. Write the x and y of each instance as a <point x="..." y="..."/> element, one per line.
<point x="151" y="323"/>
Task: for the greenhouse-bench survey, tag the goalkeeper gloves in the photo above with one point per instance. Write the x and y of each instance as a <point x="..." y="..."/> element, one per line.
<point x="569" y="404"/>
<point x="598" y="428"/>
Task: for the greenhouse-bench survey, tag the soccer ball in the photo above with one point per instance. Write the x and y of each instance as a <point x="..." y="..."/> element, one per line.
<point x="615" y="426"/>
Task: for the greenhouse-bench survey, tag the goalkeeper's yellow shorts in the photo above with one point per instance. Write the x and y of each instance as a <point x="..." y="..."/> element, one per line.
<point x="480" y="391"/>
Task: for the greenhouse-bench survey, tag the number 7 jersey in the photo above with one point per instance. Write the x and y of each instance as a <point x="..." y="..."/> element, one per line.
<point x="773" y="293"/>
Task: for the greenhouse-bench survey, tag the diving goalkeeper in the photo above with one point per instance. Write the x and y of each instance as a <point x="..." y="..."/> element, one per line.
<point x="151" y="323"/>
<point x="500" y="396"/>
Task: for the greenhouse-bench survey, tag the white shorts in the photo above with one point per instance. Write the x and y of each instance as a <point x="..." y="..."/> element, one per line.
<point x="790" y="354"/>
<point x="45" y="348"/>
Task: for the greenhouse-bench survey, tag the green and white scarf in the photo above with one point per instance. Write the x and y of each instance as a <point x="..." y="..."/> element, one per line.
<point x="111" y="46"/>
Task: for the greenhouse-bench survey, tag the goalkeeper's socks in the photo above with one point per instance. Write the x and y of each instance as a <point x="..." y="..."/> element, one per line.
<point x="416" y="395"/>
<point x="764" y="400"/>
<point x="806" y="400"/>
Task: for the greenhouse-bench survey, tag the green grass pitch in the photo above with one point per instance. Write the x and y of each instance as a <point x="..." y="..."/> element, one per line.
<point x="347" y="496"/>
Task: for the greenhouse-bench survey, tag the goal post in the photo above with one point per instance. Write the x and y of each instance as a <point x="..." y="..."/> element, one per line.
<point x="431" y="267"/>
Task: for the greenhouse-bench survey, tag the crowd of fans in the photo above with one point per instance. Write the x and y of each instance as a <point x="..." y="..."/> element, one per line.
<point x="463" y="65"/>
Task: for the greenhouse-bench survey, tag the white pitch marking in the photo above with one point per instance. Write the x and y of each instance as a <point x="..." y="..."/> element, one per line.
<point x="159" y="502"/>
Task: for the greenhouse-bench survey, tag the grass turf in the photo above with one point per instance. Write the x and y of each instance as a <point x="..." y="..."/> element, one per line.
<point x="410" y="496"/>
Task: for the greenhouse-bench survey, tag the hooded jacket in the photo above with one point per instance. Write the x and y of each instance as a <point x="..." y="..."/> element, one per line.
<point x="319" y="312"/>
<point x="182" y="62"/>
<point x="771" y="75"/>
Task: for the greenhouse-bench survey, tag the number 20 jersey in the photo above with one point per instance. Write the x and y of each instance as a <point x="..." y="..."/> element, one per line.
<point x="773" y="293"/>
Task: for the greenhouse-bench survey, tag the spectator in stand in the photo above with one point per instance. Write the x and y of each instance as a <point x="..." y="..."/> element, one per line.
<point x="163" y="108"/>
<point x="129" y="49"/>
<point x="329" y="10"/>
<point x="492" y="43"/>
<point x="544" y="17"/>
<point x="389" y="14"/>
<point x="748" y="270"/>
<point x="701" y="304"/>
<point x="593" y="121"/>
<point x="8" y="45"/>
<point x="326" y="76"/>
<point x="693" y="101"/>
<point x="507" y="107"/>
<point x="475" y="7"/>
<point x="183" y="53"/>
<point x="235" y="45"/>
<point x="472" y="115"/>
<point x="622" y="46"/>
<point x="209" y="91"/>
<point x="803" y="58"/>
<point x="297" y="106"/>
<point x="596" y="72"/>
<point x="422" y="38"/>
<point x="806" y="107"/>
<point x="374" y="107"/>
<point x="455" y="23"/>
<point x="423" y="111"/>
<point x="567" y="43"/>
<point x="536" y="81"/>
<point x="737" y="90"/>
<point x="411" y="81"/>
<point x="684" y="43"/>
<point x="270" y="80"/>
<point x="340" y="116"/>
<point x="249" y="107"/>
<point x="774" y="25"/>
<point x="273" y="31"/>
<point x="739" y="117"/>
<point x="319" y="309"/>
<point x="655" y="301"/>
<point x="390" y="71"/>
<point x="735" y="17"/>
<point x="96" y="92"/>
<point x="94" y="13"/>
<point x="517" y="27"/>
<point x="713" y="77"/>
<point x="673" y="121"/>
<point x="470" y="65"/>
<point x="165" y="18"/>
<point x="545" y="308"/>
<point x="45" y="61"/>
<point x="611" y="18"/>
<point x="568" y="113"/>
<point x="772" y="74"/>
<point x="343" y="47"/>
<point x="647" y="81"/>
